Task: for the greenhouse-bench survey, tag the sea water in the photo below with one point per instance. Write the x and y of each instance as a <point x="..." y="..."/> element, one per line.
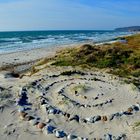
<point x="25" y="40"/>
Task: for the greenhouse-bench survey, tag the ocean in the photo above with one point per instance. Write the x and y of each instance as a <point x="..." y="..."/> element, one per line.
<point x="26" y="40"/>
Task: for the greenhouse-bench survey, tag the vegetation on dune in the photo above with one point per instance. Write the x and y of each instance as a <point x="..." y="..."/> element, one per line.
<point x="122" y="58"/>
<point x="80" y="88"/>
<point x="136" y="126"/>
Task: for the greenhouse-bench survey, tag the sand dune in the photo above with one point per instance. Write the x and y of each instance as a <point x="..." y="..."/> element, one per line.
<point x="84" y="105"/>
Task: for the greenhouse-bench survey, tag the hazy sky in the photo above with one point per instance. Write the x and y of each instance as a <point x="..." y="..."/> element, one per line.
<point x="68" y="14"/>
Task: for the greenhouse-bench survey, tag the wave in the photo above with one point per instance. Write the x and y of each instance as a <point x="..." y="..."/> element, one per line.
<point x="10" y="42"/>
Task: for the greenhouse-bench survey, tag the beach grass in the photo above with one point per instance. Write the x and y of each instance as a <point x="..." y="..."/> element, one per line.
<point x="136" y="126"/>
<point x="122" y="59"/>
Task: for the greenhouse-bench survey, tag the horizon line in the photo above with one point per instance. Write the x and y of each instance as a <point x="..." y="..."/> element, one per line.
<point x="58" y="30"/>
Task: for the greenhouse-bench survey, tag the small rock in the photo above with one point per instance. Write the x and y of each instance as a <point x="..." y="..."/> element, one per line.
<point x="123" y="136"/>
<point x="76" y="118"/>
<point x="108" y="137"/>
<point x="1" y="89"/>
<point x="89" y="119"/>
<point x="43" y="107"/>
<point x="22" y="115"/>
<point x="111" y="117"/>
<point x="97" y="118"/>
<point x="49" y="129"/>
<point x="34" y="122"/>
<point x="21" y="109"/>
<point x="51" y="111"/>
<point x="76" y="93"/>
<point x="104" y="118"/>
<point x="85" y="106"/>
<point x="71" y="137"/>
<point x="12" y="75"/>
<point x="60" y="134"/>
<point x="96" y="98"/>
<point x="28" y="118"/>
<point x="85" y="97"/>
<point x="135" y="108"/>
<point x="67" y="115"/>
<point x="83" y="120"/>
<point x="138" y="105"/>
<point x="84" y="138"/>
<point x="129" y="110"/>
<point x="41" y="125"/>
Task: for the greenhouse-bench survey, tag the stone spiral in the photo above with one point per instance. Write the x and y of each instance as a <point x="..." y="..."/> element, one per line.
<point x="79" y="106"/>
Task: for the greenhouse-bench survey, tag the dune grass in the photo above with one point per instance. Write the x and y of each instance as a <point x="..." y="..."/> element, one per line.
<point x="136" y="126"/>
<point x="122" y="58"/>
<point x="80" y="88"/>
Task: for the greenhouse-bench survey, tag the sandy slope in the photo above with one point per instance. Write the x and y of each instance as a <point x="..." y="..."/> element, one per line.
<point x="29" y="56"/>
<point x="26" y="57"/>
<point x="98" y="95"/>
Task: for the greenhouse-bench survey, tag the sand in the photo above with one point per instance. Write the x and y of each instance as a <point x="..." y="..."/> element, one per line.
<point x="89" y="104"/>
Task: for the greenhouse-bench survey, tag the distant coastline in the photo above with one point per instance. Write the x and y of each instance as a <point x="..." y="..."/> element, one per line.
<point x="129" y="29"/>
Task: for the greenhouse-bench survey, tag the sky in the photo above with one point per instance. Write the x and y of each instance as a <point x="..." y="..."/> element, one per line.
<point x="68" y="14"/>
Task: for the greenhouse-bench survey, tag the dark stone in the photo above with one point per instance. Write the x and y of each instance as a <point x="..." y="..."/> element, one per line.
<point x="96" y="98"/>
<point x="76" y="118"/>
<point x="12" y="75"/>
<point x="62" y="134"/>
<point x="135" y="108"/>
<point x="50" y="129"/>
<point x="97" y="118"/>
<point x="1" y="89"/>
<point x="127" y="113"/>
<point x="85" y="121"/>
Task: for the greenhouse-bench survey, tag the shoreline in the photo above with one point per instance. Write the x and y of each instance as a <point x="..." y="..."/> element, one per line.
<point x="34" y="54"/>
<point x="25" y="59"/>
<point x="11" y="60"/>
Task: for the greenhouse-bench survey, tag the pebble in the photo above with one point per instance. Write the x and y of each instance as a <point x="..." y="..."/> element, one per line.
<point x="84" y="139"/>
<point x="129" y="110"/>
<point x="135" y="108"/>
<point x="104" y="118"/>
<point x="71" y="137"/>
<point x="111" y="117"/>
<point x="83" y="120"/>
<point x="138" y="105"/>
<point x="41" y="125"/>
<point x="76" y="118"/>
<point x="22" y="115"/>
<point x="97" y="118"/>
<point x="49" y="129"/>
<point x="67" y="115"/>
<point x="28" y="118"/>
<point x="89" y="119"/>
<point x="96" y="98"/>
<point x="108" y="137"/>
<point x="121" y="113"/>
<point x="34" y="122"/>
<point x="59" y="134"/>
<point x="85" y="106"/>
<point x="43" y="107"/>
<point x="51" y="111"/>
<point x="21" y="109"/>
